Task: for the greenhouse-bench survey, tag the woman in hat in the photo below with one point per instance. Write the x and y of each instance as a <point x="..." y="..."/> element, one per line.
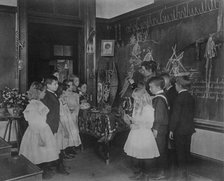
<point x="182" y="124"/>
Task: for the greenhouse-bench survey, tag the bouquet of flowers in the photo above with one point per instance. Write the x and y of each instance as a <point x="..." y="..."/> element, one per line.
<point x="12" y="98"/>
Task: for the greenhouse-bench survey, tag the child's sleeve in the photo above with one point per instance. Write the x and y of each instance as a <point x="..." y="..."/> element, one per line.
<point x="34" y="117"/>
<point x="44" y="110"/>
<point x="27" y="112"/>
<point x="160" y="113"/>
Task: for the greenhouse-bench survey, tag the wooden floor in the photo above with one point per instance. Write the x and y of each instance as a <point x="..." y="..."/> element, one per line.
<point x="87" y="166"/>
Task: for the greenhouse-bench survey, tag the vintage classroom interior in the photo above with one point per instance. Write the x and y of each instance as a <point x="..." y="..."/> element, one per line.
<point x="184" y="36"/>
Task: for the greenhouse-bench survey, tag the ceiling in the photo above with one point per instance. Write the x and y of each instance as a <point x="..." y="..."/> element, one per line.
<point x="105" y="8"/>
<point x="112" y="8"/>
<point x="8" y="2"/>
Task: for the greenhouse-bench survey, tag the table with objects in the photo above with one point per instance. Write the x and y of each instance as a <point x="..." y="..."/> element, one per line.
<point x="103" y="126"/>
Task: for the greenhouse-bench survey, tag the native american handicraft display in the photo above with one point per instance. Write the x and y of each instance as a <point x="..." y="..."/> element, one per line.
<point x="138" y="54"/>
<point x="210" y="53"/>
<point x="107" y="85"/>
<point x="174" y="66"/>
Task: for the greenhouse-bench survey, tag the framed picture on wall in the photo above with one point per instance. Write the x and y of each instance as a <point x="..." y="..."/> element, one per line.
<point x="107" y="48"/>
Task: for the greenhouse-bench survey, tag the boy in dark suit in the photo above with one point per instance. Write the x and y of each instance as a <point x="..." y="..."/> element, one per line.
<point x="160" y="125"/>
<point x="53" y="116"/>
<point x="171" y="94"/>
<point x="170" y="90"/>
<point x="182" y="124"/>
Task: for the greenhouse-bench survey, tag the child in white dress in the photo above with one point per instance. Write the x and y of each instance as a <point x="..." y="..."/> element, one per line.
<point x="62" y="136"/>
<point x="38" y="143"/>
<point x="71" y="109"/>
<point x="67" y="119"/>
<point x="141" y="143"/>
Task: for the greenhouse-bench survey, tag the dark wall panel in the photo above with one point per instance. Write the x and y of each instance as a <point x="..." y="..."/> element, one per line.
<point x="186" y="24"/>
<point x="7" y="49"/>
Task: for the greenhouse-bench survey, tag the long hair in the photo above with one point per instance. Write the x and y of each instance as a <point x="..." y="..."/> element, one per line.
<point x="34" y="90"/>
<point x="141" y="99"/>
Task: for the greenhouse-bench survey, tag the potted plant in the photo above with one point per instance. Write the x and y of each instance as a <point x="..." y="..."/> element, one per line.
<point x="14" y="101"/>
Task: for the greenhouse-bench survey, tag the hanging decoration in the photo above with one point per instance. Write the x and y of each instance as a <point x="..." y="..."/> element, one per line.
<point x="148" y="57"/>
<point x="89" y="43"/>
<point x="99" y="92"/>
<point x="107" y="86"/>
<point x="174" y="66"/>
<point x="19" y="45"/>
<point x="134" y="61"/>
<point x="210" y="53"/>
<point x="138" y="55"/>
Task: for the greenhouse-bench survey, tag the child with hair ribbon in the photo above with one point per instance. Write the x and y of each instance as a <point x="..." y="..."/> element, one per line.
<point x="141" y="143"/>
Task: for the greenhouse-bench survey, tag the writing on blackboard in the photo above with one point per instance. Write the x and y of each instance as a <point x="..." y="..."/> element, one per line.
<point x="215" y="90"/>
<point x="172" y="13"/>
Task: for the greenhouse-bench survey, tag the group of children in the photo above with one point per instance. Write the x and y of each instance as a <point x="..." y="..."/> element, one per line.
<point x="161" y="120"/>
<point x="52" y="116"/>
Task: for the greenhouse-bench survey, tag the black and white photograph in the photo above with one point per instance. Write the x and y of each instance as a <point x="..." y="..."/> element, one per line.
<point x="112" y="90"/>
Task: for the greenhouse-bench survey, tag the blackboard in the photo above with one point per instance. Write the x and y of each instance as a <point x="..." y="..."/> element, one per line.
<point x="190" y="34"/>
<point x="210" y="101"/>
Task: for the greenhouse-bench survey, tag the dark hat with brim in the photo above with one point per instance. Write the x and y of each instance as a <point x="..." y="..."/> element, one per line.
<point x="183" y="80"/>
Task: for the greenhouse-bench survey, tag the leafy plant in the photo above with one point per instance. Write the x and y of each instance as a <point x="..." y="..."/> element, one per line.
<point x="12" y="98"/>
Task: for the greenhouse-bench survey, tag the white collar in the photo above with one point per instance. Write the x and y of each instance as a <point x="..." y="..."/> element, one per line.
<point x="161" y="91"/>
<point x="51" y="92"/>
<point x="169" y="87"/>
<point x="183" y="90"/>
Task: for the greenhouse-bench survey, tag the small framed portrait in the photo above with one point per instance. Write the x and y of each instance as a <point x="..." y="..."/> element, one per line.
<point x="107" y="48"/>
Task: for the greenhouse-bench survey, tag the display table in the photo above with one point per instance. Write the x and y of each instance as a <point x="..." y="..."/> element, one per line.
<point x="103" y="126"/>
<point x="5" y="149"/>
<point x="11" y="127"/>
<point x="19" y="168"/>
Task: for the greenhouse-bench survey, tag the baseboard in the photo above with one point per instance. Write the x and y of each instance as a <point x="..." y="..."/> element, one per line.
<point x="208" y="159"/>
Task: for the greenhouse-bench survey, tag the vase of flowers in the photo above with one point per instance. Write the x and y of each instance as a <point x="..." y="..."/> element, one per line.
<point x="14" y="111"/>
<point x="15" y="102"/>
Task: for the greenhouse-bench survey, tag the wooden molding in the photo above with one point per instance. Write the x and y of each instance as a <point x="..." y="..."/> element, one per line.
<point x="7" y="9"/>
<point x="207" y="159"/>
<point x="209" y="125"/>
<point x="159" y="7"/>
<point x="146" y="9"/>
<point x="103" y="20"/>
<point x="46" y="18"/>
<point x="56" y="18"/>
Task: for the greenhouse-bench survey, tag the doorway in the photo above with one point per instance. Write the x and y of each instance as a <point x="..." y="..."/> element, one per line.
<point x="49" y="46"/>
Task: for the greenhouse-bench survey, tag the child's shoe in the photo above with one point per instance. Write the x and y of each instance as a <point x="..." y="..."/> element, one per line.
<point x="47" y="175"/>
<point x="61" y="170"/>
<point x="160" y="176"/>
<point x="139" y="176"/>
